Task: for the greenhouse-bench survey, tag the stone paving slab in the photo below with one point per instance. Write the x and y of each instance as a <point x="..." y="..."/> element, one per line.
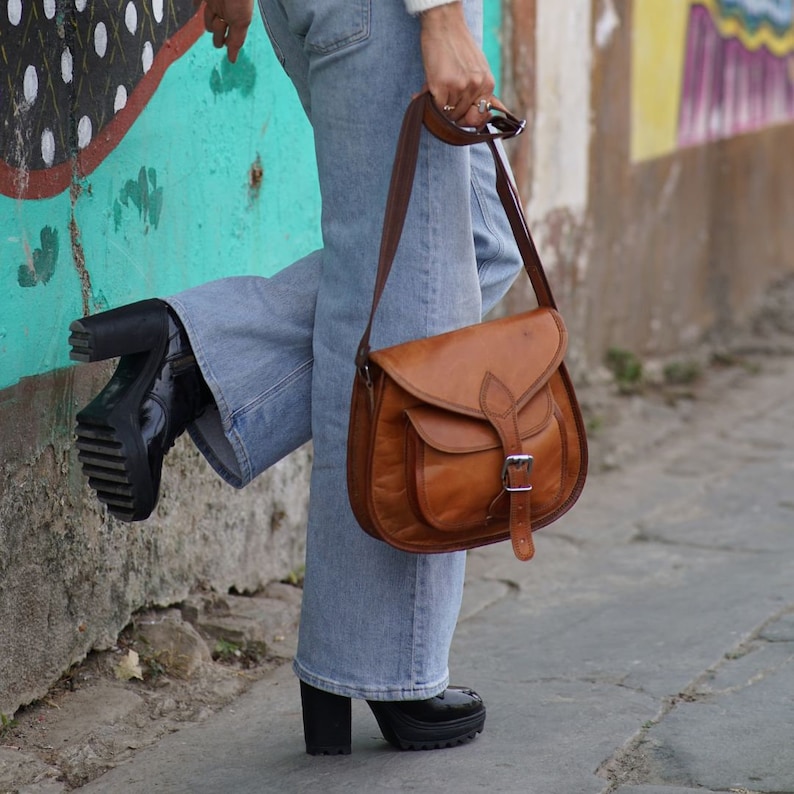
<point x="749" y="711"/>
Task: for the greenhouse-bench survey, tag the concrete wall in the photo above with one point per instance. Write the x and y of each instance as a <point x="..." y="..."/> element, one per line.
<point x="657" y="169"/>
<point x="689" y="201"/>
<point x="134" y="161"/>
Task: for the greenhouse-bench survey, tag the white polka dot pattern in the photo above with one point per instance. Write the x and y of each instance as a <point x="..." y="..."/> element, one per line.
<point x="31" y="85"/>
<point x="101" y="39"/>
<point x="66" y="66"/>
<point x="62" y="85"/>
<point x="14" y="11"/>
<point x="48" y="147"/>
<point x="131" y="17"/>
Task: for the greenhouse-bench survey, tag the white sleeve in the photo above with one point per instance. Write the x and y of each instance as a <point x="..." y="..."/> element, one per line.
<point x="417" y="6"/>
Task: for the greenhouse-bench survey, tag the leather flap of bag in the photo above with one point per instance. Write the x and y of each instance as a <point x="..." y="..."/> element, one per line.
<point x="522" y="351"/>
<point x="456" y="433"/>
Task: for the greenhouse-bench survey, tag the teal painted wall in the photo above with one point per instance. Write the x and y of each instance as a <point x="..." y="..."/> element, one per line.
<point x="492" y="36"/>
<point x="215" y="177"/>
<point x="170" y="207"/>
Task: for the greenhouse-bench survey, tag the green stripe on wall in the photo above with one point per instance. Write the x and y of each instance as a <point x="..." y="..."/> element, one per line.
<point x="492" y="37"/>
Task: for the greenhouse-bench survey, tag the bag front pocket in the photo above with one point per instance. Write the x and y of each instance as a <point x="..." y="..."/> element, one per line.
<point x="454" y="464"/>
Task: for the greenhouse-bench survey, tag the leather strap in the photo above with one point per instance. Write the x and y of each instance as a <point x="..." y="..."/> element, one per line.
<point x="423" y="112"/>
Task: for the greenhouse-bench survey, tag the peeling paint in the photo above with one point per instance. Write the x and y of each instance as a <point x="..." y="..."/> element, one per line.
<point x="564" y="239"/>
<point x="144" y="194"/>
<point x="240" y="76"/>
<point x="608" y="22"/>
<point x="256" y="175"/>
<point x="669" y="188"/>
<point x="562" y="105"/>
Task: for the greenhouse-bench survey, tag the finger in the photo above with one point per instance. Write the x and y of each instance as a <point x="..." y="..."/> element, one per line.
<point x="235" y="40"/>
<point x="480" y="88"/>
<point x="451" y="108"/>
<point x="443" y="100"/>
<point x="468" y="102"/>
<point x="475" y="117"/>
<point x="219" y="28"/>
<point x="453" y="105"/>
<point x="466" y="114"/>
<point x="456" y="105"/>
<point x="498" y="104"/>
<point x="478" y="112"/>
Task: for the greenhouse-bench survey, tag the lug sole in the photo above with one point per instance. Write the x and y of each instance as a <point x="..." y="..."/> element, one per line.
<point x="110" y="446"/>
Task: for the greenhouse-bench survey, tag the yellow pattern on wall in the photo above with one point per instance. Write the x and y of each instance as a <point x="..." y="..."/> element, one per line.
<point x="657" y="54"/>
<point x="734" y="27"/>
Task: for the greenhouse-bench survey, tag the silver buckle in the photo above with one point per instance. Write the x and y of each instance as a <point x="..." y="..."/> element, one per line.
<point x="523" y="461"/>
<point x="363" y="370"/>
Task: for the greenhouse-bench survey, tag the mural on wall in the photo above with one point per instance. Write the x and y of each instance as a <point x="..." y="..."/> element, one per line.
<point x="75" y="77"/>
<point x="704" y="70"/>
<point x="121" y="127"/>
<point x="122" y="133"/>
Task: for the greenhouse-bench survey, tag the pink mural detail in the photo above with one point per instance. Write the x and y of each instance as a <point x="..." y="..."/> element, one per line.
<point x="729" y="89"/>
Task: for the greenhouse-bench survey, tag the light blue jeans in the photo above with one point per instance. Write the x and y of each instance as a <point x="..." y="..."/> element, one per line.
<point x="278" y="353"/>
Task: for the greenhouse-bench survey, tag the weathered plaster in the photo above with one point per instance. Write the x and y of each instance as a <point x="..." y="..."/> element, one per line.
<point x="562" y="107"/>
<point x="70" y="577"/>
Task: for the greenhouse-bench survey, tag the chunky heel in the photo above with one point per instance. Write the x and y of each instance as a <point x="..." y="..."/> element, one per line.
<point x="155" y="392"/>
<point x="326" y="722"/>
<point x="135" y="328"/>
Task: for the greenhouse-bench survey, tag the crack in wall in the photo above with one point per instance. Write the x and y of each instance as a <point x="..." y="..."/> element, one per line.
<point x="78" y="253"/>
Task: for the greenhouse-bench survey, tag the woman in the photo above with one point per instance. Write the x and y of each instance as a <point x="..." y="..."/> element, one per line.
<point x="376" y="623"/>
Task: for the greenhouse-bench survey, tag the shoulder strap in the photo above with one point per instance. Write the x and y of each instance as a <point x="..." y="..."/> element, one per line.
<point x="423" y="112"/>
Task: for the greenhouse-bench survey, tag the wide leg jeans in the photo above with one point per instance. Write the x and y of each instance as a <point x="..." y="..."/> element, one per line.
<point x="278" y="353"/>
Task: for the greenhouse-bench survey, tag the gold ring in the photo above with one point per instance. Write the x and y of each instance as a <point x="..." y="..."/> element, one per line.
<point x="483" y="106"/>
<point x="447" y="108"/>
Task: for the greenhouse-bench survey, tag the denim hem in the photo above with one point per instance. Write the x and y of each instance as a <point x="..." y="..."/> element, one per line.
<point x="243" y="476"/>
<point x="410" y="692"/>
<point x="207" y="450"/>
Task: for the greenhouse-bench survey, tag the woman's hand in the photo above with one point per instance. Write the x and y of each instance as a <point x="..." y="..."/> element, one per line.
<point x="228" y="21"/>
<point x="458" y="75"/>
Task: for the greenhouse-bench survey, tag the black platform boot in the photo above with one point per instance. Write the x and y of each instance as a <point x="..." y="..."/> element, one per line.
<point x="454" y="717"/>
<point x="155" y="392"/>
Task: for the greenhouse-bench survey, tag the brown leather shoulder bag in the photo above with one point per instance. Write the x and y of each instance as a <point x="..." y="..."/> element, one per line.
<point x="473" y="436"/>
